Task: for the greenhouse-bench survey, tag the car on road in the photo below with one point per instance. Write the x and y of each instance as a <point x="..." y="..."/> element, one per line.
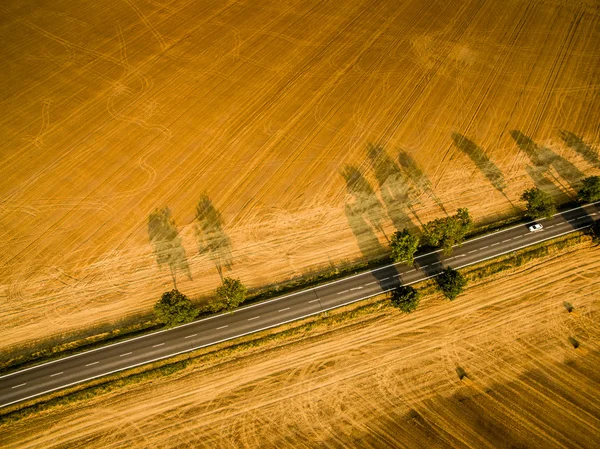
<point x="535" y="227"/>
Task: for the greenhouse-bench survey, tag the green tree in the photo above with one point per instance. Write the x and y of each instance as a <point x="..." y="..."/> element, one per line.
<point x="449" y="231"/>
<point x="590" y="189"/>
<point x="595" y="231"/>
<point x="539" y="203"/>
<point x="168" y="248"/>
<point x="175" y="308"/>
<point x="404" y="245"/>
<point x="230" y="294"/>
<point x="405" y="298"/>
<point x="451" y="283"/>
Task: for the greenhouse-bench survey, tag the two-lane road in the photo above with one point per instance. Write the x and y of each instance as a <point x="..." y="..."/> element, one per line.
<point x="71" y="370"/>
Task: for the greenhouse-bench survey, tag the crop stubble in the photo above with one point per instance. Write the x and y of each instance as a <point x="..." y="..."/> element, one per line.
<point x="111" y="110"/>
<point x="389" y="382"/>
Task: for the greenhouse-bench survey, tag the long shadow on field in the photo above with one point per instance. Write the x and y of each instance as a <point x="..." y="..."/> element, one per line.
<point x="576" y="143"/>
<point x="543" y="159"/>
<point x="418" y="178"/>
<point x="363" y="211"/>
<point x="542" y="182"/>
<point x="212" y="239"/>
<point x="392" y="185"/>
<point x="481" y="161"/>
<point x="168" y="248"/>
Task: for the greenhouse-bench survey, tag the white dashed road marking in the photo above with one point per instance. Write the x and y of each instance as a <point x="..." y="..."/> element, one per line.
<point x="222" y="327"/>
<point x="127" y="353"/>
<point x="314" y="300"/>
<point x="57" y="374"/>
<point x="345" y="291"/>
<point x="190" y="336"/>
<point x="17" y="386"/>
<point x="93" y="363"/>
<point x="371" y="283"/>
<point x="283" y="310"/>
<point x="156" y="346"/>
<point x="254" y="318"/>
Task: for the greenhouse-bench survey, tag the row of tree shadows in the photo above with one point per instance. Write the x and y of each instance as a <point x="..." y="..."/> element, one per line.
<point x="402" y="184"/>
<point x="210" y="237"/>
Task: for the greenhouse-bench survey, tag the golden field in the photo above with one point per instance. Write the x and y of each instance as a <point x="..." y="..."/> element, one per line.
<point x="269" y="111"/>
<point x="380" y="380"/>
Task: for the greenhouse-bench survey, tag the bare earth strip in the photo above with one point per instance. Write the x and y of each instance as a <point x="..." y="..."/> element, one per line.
<point x="112" y="109"/>
<point x="381" y="380"/>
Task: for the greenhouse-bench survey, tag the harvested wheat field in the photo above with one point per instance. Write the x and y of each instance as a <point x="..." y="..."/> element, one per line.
<point x="529" y="371"/>
<point x="307" y="131"/>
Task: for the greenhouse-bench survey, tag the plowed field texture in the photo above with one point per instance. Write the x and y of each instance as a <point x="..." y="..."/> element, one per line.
<point x="511" y="363"/>
<point x="262" y="140"/>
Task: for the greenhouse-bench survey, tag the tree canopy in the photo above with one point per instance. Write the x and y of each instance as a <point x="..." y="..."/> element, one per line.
<point x="229" y="295"/>
<point x="175" y="308"/>
<point x="595" y="231"/>
<point x="404" y="245"/>
<point x="539" y="203"/>
<point x="449" y="231"/>
<point x="590" y="189"/>
<point x="451" y="283"/>
<point x="405" y="298"/>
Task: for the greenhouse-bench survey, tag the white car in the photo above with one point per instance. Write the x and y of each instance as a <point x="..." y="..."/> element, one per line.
<point x="535" y="227"/>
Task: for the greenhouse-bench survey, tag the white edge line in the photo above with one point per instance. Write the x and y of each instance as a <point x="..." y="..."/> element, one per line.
<point x="265" y="328"/>
<point x="193" y="349"/>
<point x="292" y="294"/>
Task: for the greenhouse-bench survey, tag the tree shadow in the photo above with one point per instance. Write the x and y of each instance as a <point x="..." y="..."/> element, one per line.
<point x="168" y="248"/>
<point x="481" y="161"/>
<point x="430" y="264"/>
<point x="387" y="277"/>
<point x="392" y="185"/>
<point x="417" y="177"/>
<point x="541" y="182"/>
<point x="576" y="143"/>
<point x="212" y="239"/>
<point x="364" y="211"/>
<point x="543" y="159"/>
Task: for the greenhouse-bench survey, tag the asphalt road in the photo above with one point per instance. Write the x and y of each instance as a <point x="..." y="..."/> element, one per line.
<point x="71" y="370"/>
